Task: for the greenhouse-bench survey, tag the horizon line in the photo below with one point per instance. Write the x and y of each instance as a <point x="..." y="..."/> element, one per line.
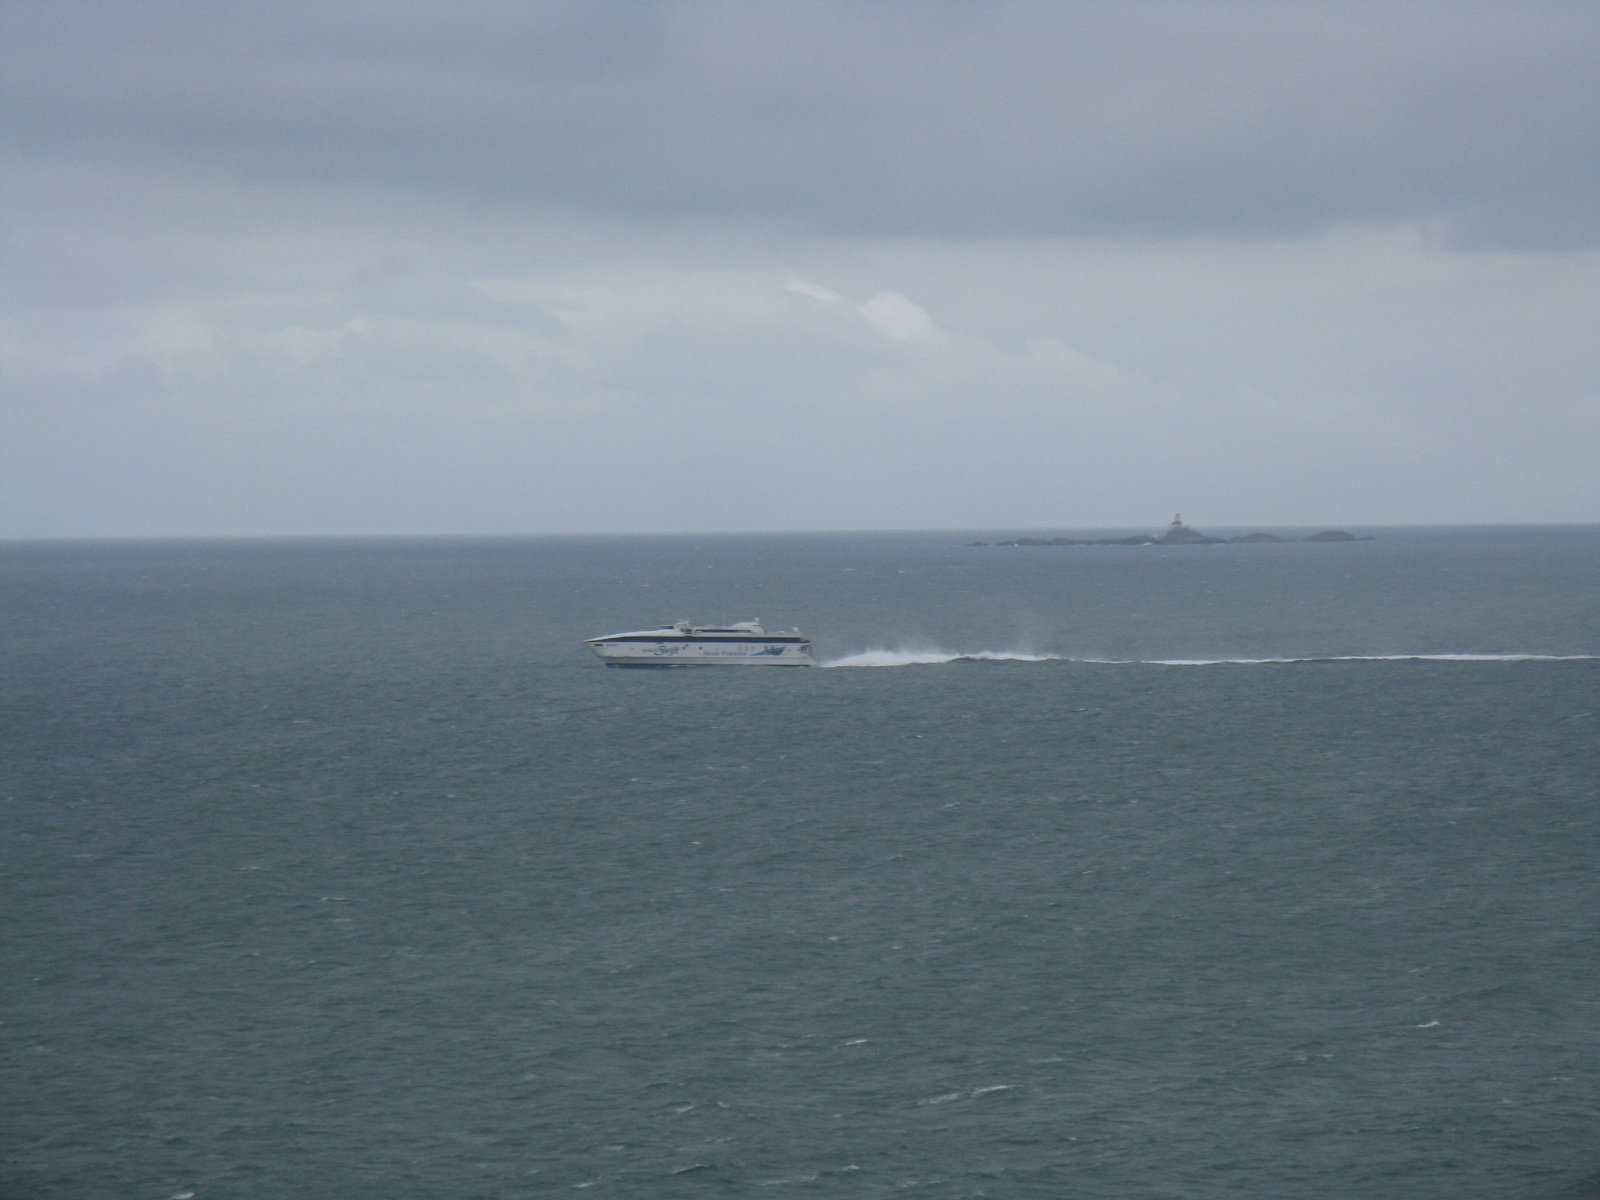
<point x="24" y="539"/>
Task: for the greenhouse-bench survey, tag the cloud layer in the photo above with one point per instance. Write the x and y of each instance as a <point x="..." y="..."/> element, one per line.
<point x="945" y="119"/>
<point x="497" y="268"/>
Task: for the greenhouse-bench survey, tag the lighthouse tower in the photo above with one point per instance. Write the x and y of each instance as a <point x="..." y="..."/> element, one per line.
<point x="1179" y="532"/>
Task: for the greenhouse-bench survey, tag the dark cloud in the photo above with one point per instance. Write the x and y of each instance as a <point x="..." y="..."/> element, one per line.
<point x="1125" y="119"/>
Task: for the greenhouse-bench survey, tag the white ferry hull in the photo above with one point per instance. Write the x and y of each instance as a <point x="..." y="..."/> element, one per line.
<point x="746" y="645"/>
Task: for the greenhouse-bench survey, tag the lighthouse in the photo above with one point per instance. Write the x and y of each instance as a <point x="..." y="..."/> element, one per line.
<point x="1179" y="532"/>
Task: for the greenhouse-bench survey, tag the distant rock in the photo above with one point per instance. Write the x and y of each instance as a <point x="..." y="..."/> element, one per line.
<point x="1178" y="534"/>
<point x="1336" y="535"/>
<point x="1142" y="539"/>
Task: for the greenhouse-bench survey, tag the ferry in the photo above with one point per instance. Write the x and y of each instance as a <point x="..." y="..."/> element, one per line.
<point x="681" y="644"/>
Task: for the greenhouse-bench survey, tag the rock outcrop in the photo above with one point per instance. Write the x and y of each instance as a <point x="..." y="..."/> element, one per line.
<point x="1179" y="534"/>
<point x="1337" y="535"/>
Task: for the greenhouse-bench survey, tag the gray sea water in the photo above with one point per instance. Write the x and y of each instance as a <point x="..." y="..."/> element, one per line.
<point x="341" y="869"/>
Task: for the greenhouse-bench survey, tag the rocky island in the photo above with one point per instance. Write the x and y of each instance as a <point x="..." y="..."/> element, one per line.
<point x="1179" y="534"/>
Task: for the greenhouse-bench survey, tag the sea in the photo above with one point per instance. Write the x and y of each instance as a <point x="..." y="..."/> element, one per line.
<point x="341" y="868"/>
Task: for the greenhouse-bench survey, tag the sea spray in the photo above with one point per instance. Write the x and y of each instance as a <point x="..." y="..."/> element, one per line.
<point x="878" y="657"/>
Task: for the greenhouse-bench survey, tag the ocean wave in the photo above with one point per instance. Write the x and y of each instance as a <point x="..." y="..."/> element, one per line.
<point x="931" y="657"/>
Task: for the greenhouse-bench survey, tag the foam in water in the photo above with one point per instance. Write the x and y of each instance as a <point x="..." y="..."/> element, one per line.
<point x="1212" y="662"/>
<point x="879" y="657"/>
<point x="909" y="658"/>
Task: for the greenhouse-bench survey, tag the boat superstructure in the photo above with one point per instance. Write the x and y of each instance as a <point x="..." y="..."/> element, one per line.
<point x="681" y="644"/>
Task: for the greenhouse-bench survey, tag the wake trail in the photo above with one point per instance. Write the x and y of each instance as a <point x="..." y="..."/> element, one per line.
<point x="879" y="657"/>
<point x="913" y="658"/>
<point x="1213" y="662"/>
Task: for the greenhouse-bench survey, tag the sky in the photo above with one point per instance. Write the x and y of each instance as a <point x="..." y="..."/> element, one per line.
<point x="417" y="267"/>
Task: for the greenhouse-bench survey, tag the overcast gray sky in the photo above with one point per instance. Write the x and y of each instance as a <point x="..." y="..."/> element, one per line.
<point x="471" y="267"/>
